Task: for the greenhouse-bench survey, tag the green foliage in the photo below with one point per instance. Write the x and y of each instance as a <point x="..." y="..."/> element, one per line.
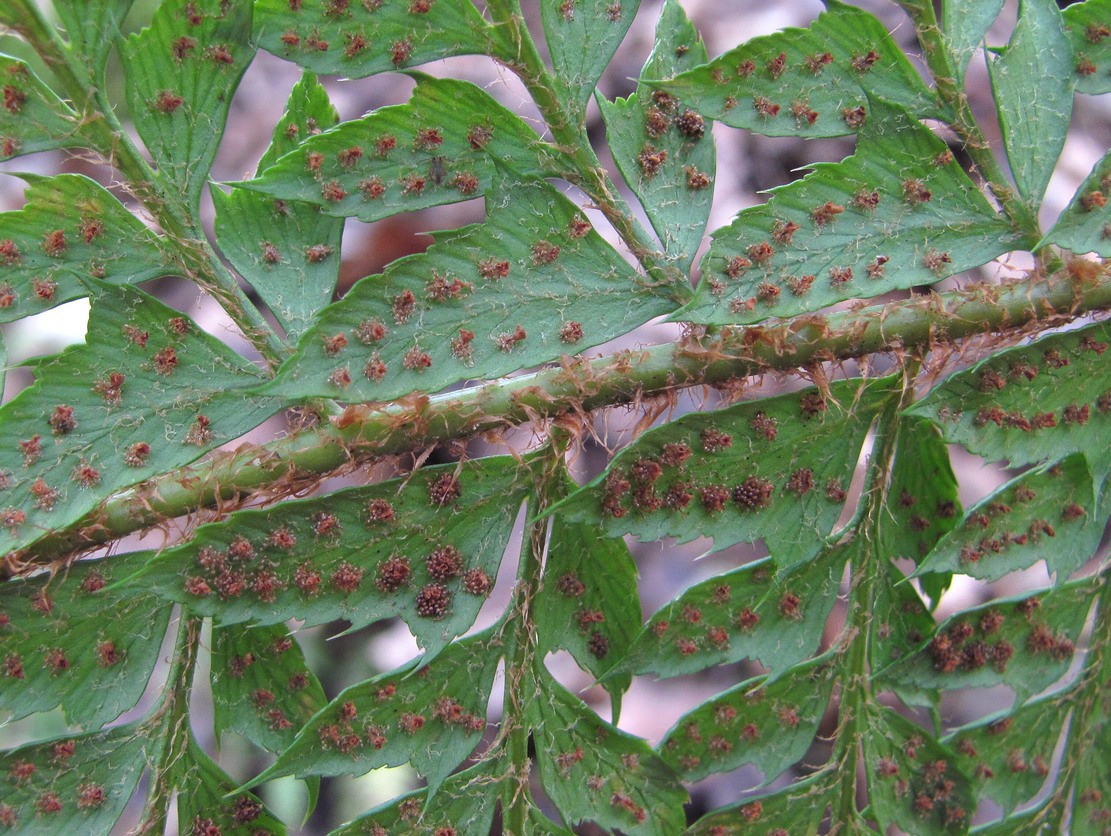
<point x="832" y="664"/>
<point x="898" y="213"/>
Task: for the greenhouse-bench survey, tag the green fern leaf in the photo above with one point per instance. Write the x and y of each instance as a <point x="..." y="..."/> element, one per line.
<point x="148" y="392"/>
<point x="71" y="230"/>
<point x="664" y="152"/>
<point x="58" y="649"/>
<point x="426" y="549"/>
<point x="898" y="213"/>
<point x="807" y="82"/>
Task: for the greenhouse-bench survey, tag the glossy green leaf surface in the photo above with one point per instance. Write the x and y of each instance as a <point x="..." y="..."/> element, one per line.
<point x="1032" y="81"/>
<point x="181" y="74"/>
<point x="1049" y="513"/>
<point x="33" y="118"/>
<point x="361" y="39"/>
<point x="426" y="548"/>
<point x="747" y="613"/>
<point x="768" y="725"/>
<point x="776" y="469"/>
<point x="623" y="785"/>
<point x="273" y="243"/>
<point x="1085" y="225"/>
<point x="664" y="151"/>
<point x="450" y="142"/>
<point x="69" y="231"/>
<point x="74" y="785"/>
<point x="899" y="212"/>
<point x="59" y="650"/>
<point x="1089" y="34"/>
<point x="478" y="304"/>
<point x="1039" y="402"/>
<point x="148" y="392"/>
<point x="262" y="687"/>
<point x="807" y="82"/>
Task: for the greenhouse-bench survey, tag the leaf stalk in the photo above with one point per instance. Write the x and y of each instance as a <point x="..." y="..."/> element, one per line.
<point x="369" y="431"/>
<point x="939" y="61"/>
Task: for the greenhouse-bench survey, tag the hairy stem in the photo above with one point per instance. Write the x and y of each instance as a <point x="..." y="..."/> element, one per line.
<point x="578" y="386"/>
<point x="857" y="686"/>
<point x="963" y="123"/>
<point x="190" y="249"/>
<point x="170" y="723"/>
<point x="520" y="655"/>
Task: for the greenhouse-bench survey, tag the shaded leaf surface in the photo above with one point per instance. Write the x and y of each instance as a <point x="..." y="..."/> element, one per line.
<point x="70" y="230"/>
<point x="363" y="554"/>
<point x="665" y="152"/>
<point x="899" y="212"/>
<point x="147" y="392"/>
<point x="74" y="785"/>
<point x="914" y="782"/>
<point x="768" y="725"/>
<point x="923" y="490"/>
<point x="806" y="82"/>
<point x="480" y="303"/>
<point x="207" y="801"/>
<point x="58" y="649"/>
<point x="583" y="35"/>
<point x="262" y="687"/>
<point x="746" y="613"/>
<point x="801" y="807"/>
<point x="1035" y="403"/>
<point x="360" y="39"/>
<point x="589" y="606"/>
<point x="1007" y="756"/>
<point x="1032" y="81"/>
<point x="900" y="618"/>
<point x="964" y="24"/>
<point x="432" y="717"/>
<point x="776" y="468"/>
<point x="92" y="29"/>
<point x="591" y="771"/>
<point x="1048" y="514"/>
<point x="181" y="73"/>
<point x="1088" y="33"/>
<point x="465" y="803"/>
<point x="450" y="142"/>
<point x="1091" y="796"/>
<point x="923" y="505"/>
<point x="272" y="243"/>
<point x="1025" y="643"/>
<point x="541" y="825"/>
<point x="33" y="117"/>
<point x="1085" y="225"/>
